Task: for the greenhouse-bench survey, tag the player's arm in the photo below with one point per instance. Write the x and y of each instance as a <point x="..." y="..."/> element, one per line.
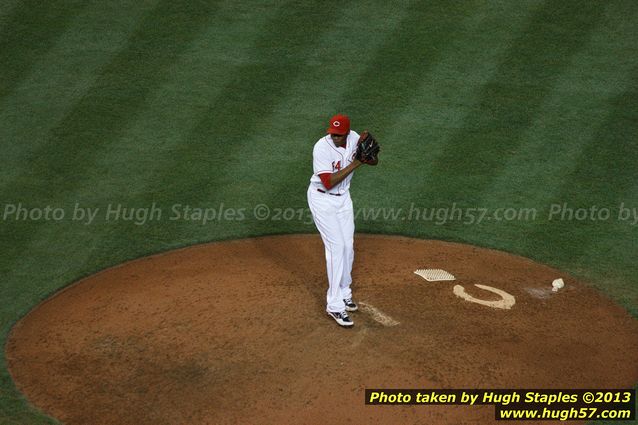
<point x="330" y="180"/>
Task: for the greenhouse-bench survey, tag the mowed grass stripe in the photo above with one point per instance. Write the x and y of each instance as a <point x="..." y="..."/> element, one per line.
<point x="579" y="101"/>
<point x="95" y="187"/>
<point x="151" y="143"/>
<point x="569" y="121"/>
<point x="510" y="101"/>
<point x="115" y="97"/>
<point x="396" y="70"/>
<point x="122" y="87"/>
<point x="29" y="30"/>
<point x="237" y="127"/>
<point x="597" y="118"/>
<point x="59" y="79"/>
<point x="147" y="144"/>
<point x="143" y="151"/>
<point x="75" y="146"/>
<point x="604" y="177"/>
<point x="437" y="104"/>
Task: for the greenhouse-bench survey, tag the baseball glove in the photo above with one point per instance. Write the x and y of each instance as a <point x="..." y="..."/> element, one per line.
<point x="367" y="148"/>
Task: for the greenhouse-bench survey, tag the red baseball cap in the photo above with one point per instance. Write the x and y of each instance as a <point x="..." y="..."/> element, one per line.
<point x="339" y="124"/>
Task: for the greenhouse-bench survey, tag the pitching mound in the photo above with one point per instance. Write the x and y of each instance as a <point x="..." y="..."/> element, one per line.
<point x="236" y="332"/>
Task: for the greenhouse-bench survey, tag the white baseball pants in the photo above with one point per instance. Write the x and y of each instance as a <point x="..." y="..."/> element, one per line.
<point x="334" y="218"/>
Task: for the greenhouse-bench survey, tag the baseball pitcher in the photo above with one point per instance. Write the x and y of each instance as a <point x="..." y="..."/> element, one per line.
<point x="334" y="159"/>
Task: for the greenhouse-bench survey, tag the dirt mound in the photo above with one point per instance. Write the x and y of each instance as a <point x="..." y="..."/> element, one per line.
<point x="236" y="332"/>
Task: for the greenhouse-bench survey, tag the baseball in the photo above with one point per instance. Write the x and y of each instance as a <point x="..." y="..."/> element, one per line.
<point x="557" y="284"/>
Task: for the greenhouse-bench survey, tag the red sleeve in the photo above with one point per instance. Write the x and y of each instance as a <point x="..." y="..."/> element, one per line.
<point x="325" y="179"/>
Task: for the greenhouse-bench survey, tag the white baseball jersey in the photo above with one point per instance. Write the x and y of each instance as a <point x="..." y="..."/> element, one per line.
<point x="327" y="158"/>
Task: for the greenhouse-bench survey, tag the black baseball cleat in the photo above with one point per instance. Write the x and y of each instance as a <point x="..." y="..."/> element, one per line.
<point x="341" y="318"/>
<point x="350" y="305"/>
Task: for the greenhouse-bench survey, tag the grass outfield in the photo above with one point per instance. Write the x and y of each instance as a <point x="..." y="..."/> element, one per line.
<point x="478" y="104"/>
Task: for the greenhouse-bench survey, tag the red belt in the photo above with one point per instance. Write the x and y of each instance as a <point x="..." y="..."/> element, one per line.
<point x="333" y="194"/>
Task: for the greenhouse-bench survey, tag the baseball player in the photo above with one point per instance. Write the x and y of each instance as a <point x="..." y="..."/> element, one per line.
<point x="334" y="158"/>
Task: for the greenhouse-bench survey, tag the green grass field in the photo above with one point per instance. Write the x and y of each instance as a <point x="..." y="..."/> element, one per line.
<point x="477" y="104"/>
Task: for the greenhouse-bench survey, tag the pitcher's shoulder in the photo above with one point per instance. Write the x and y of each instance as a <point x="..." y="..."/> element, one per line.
<point x="323" y="144"/>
